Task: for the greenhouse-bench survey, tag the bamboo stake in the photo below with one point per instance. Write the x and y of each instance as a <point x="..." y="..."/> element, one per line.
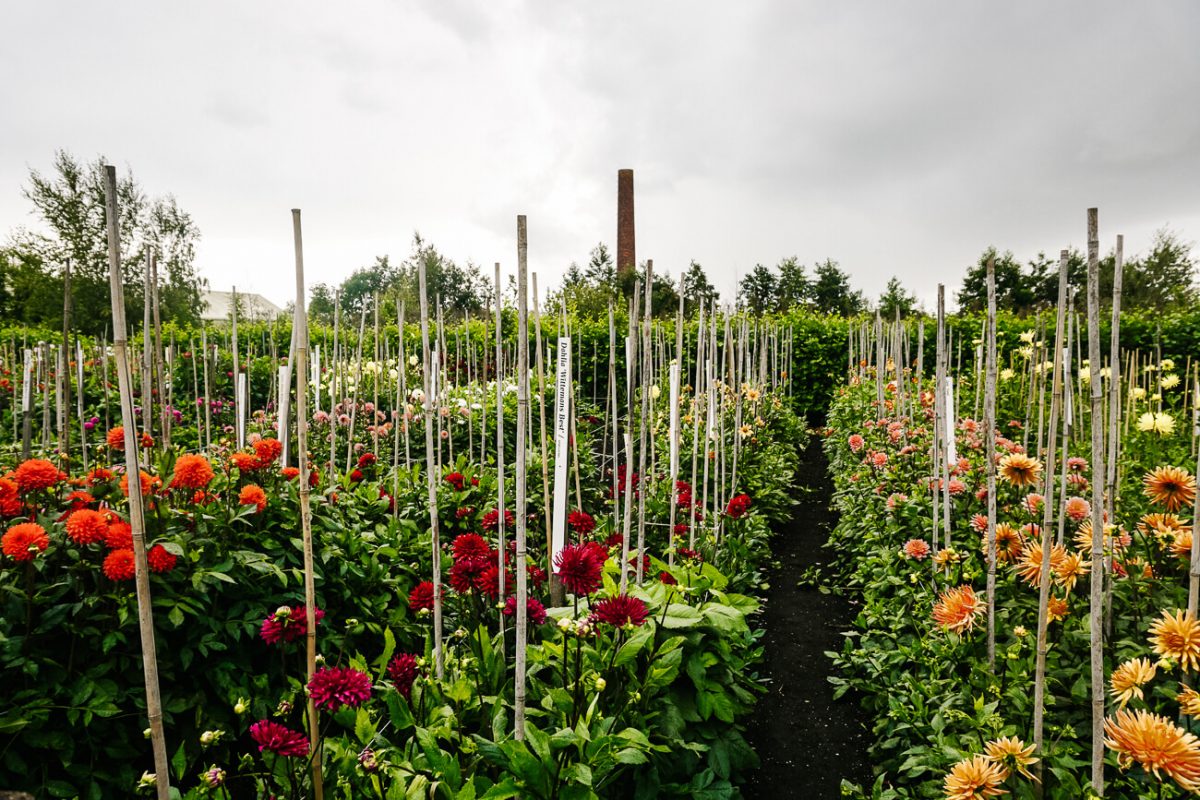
<point x="644" y="424"/>
<point x="1056" y="399"/>
<point x="1097" y="583"/>
<point x="522" y="623"/>
<point x="136" y="512"/>
<point x="431" y="476"/>
<point x="500" y="524"/>
<point x="64" y="377"/>
<point x="989" y="426"/>
<point x="1114" y="414"/>
<point x="300" y="329"/>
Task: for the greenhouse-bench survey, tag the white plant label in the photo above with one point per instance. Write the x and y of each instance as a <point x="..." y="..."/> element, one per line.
<point x="562" y="427"/>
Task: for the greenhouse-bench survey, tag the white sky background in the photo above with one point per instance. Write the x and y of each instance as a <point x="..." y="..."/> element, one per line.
<point x="895" y="138"/>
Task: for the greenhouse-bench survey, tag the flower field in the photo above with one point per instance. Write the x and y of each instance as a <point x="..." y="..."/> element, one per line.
<point x="445" y="649"/>
<point x="1003" y="647"/>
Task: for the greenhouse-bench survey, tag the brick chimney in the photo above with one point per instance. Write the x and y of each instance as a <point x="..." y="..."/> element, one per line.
<point x="626" y="252"/>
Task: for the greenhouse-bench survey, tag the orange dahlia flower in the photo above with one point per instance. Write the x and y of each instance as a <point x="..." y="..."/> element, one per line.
<point x="1127" y="680"/>
<point x="36" y="473"/>
<point x="86" y="526"/>
<point x="1020" y="469"/>
<point x="24" y="541"/>
<point x="253" y="495"/>
<point x="956" y="609"/>
<point x="1170" y="487"/>
<point x="192" y="472"/>
<point x="1155" y="742"/>
<point x="1177" y="637"/>
<point x="975" y="778"/>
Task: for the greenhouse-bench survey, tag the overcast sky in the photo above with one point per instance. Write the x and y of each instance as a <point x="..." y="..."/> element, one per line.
<point x="895" y="138"/>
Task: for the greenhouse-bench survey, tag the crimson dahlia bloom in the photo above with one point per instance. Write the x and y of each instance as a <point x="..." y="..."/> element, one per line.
<point x="581" y="522"/>
<point x="620" y="610"/>
<point x="456" y="480"/>
<point x="579" y="566"/>
<point x="534" y="609"/>
<point x="403" y="671"/>
<point x="280" y="740"/>
<point x="334" y="687"/>
<point x="738" y="506"/>
<point x="464" y="574"/>
<point x="491" y="520"/>
<point x="471" y="546"/>
<point x="421" y="597"/>
<point x="290" y="627"/>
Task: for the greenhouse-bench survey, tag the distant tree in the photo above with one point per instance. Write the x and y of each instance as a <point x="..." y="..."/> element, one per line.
<point x="831" y="290"/>
<point x="600" y="269"/>
<point x="588" y="291"/>
<point x="896" y="299"/>
<point x="1016" y="290"/>
<point x="697" y="291"/>
<point x="757" y="291"/>
<point x="794" y="287"/>
<point x="320" y="304"/>
<point x="365" y="283"/>
<point x="69" y="200"/>
<point x="1163" y="278"/>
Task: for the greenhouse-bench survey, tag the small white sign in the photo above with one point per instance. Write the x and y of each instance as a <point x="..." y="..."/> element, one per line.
<point x="562" y="427"/>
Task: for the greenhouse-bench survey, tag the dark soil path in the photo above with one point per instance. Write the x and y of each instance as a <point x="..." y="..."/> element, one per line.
<point x="807" y="741"/>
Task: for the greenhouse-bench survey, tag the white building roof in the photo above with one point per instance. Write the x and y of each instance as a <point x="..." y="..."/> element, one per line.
<point x="216" y="306"/>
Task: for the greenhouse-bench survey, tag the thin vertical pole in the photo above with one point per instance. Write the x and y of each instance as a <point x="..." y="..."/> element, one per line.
<point x="136" y="512"/>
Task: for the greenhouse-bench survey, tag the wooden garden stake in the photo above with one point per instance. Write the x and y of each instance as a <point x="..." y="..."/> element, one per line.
<point x="1097" y="583"/>
<point x="431" y="474"/>
<point x="137" y="523"/>
<point x="1056" y="400"/>
<point x="989" y="427"/>
<point x="300" y="328"/>
<point x="1114" y="440"/>
<point x="522" y="623"/>
<point x="500" y="523"/>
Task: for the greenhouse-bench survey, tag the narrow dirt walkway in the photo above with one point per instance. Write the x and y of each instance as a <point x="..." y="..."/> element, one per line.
<point x="807" y="742"/>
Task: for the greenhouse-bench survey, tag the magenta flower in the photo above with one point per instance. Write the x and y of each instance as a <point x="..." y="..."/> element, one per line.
<point x="403" y="671"/>
<point x="334" y="687"/>
<point x="288" y="625"/>
<point x="620" y="610"/>
<point x="533" y="608"/>
<point x="280" y="740"/>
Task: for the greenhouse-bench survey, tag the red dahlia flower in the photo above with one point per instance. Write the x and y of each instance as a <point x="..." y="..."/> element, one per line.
<point x="148" y="482"/>
<point x="283" y="741"/>
<point x="79" y="500"/>
<point x="403" y="671"/>
<point x="267" y="451"/>
<point x="421" y="596"/>
<point x="579" y="566"/>
<point x="667" y="578"/>
<point x="366" y="460"/>
<point x="620" y="610"/>
<point x="119" y="565"/>
<point x="738" y="506"/>
<point x="581" y="522"/>
<point x="456" y="480"/>
<point x="492" y="519"/>
<point x="534" y="610"/>
<point x="118" y="536"/>
<point x="99" y="475"/>
<point x="334" y="687"/>
<point x="24" y="541"/>
<point x="288" y="625"/>
<point x="161" y="559"/>
<point x="470" y="546"/>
